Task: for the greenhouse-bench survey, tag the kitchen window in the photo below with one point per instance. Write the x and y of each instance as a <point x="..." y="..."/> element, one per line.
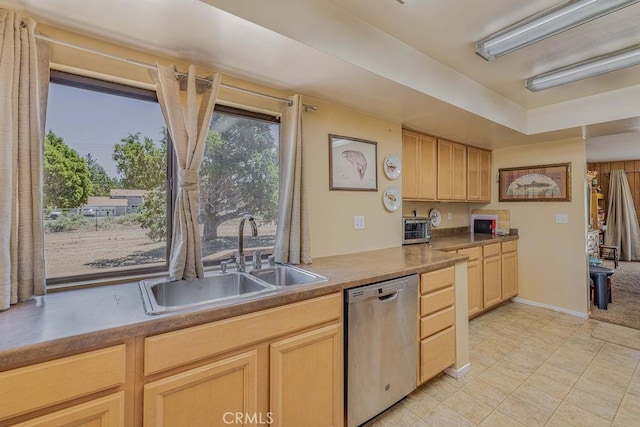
<point x="108" y="181"/>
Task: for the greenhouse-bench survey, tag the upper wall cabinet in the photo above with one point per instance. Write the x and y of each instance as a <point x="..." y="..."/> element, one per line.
<point x="419" y="166"/>
<point x="437" y="169"/>
<point x="478" y="175"/>
<point x="452" y="170"/>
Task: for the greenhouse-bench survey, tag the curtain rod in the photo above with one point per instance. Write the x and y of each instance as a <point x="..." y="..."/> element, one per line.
<point x="307" y="107"/>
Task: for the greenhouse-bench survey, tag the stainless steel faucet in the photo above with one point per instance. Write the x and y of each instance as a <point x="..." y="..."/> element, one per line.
<point x="240" y="260"/>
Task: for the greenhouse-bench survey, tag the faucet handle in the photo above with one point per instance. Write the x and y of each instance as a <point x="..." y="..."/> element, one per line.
<point x="257" y="261"/>
<point x="272" y="261"/>
<point x="223" y="266"/>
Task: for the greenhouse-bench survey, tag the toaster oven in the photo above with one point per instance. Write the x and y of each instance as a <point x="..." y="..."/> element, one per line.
<point x="416" y="230"/>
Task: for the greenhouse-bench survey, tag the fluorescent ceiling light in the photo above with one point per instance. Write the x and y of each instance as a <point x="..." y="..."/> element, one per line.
<point x="589" y="68"/>
<point x="545" y="24"/>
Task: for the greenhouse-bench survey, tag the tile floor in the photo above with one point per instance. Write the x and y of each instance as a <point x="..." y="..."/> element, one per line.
<point x="532" y="367"/>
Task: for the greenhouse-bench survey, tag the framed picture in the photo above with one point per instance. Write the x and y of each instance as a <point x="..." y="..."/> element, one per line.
<point x="352" y="164"/>
<point x="544" y="183"/>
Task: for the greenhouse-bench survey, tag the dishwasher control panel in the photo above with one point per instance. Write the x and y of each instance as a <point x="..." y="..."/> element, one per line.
<point x="377" y="290"/>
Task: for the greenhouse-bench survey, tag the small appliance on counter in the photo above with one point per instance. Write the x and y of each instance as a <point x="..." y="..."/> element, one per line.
<point x="484" y="224"/>
<point x="416" y="229"/>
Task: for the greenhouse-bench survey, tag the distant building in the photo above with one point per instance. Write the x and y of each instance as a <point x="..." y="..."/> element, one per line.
<point x="135" y="198"/>
<point x="105" y="206"/>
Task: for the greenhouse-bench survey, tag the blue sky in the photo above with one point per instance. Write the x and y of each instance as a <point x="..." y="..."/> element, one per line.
<point x="92" y="122"/>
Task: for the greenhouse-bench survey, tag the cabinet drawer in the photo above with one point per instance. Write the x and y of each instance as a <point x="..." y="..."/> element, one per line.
<point x="436" y="301"/>
<point x="437" y="353"/>
<point x="436" y="280"/>
<point x="510" y="246"/>
<point x="437" y="322"/>
<point x="44" y="384"/>
<point x="199" y="342"/>
<point x="472" y="253"/>
<point x="491" y="250"/>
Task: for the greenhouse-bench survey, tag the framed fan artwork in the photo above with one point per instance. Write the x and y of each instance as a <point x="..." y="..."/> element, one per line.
<point x="352" y="164"/>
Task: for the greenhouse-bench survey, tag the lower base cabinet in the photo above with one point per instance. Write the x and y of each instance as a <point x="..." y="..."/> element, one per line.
<point x="209" y="395"/>
<point x="437" y="353"/>
<point x="280" y="367"/>
<point x="103" y="412"/>
<point x="306" y="379"/>
<point x="437" y="346"/>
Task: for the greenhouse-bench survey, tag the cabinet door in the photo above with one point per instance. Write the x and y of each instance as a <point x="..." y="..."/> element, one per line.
<point x="509" y="275"/>
<point x="209" y="395"/>
<point x="473" y="174"/>
<point x="104" y="412"/>
<point x="306" y="372"/>
<point x="437" y="353"/>
<point x="419" y="166"/>
<point x="474" y="285"/>
<point x="452" y="170"/>
<point x="492" y="275"/>
<point x="478" y="175"/>
<point x="459" y="173"/>
<point x="445" y="169"/>
<point x="485" y="176"/>
<point x="410" y="165"/>
<point x="427" y="166"/>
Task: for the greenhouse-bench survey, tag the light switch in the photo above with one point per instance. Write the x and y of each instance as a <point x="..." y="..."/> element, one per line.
<point x="562" y="218"/>
<point x="449" y="216"/>
<point x="358" y="222"/>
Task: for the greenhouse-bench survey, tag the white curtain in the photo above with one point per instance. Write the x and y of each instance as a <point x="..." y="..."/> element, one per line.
<point x="622" y="221"/>
<point x="292" y="235"/>
<point x="24" y="80"/>
<point x="188" y="123"/>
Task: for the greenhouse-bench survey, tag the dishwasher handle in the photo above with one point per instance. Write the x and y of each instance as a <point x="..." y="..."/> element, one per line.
<point x="390" y="297"/>
<point x="386" y="291"/>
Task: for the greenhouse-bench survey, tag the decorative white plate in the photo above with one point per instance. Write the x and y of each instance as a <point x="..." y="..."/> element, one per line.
<point x="436" y="217"/>
<point x="392" y="166"/>
<point x="391" y="198"/>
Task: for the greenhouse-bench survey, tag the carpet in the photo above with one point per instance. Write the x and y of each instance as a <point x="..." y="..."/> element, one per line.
<point x="625" y="291"/>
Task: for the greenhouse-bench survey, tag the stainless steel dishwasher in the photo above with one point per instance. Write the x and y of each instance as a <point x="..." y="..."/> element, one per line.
<point x="381" y="346"/>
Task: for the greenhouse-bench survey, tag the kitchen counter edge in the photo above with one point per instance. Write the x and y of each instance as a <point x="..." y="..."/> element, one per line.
<point x="92" y="318"/>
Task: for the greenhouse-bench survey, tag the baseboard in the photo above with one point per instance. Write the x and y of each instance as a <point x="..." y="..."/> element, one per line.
<point x="551" y="307"/>
<point x="457" y="373"/>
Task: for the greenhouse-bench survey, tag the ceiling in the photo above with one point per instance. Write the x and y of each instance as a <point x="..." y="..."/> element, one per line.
<point x="411" y="63"/>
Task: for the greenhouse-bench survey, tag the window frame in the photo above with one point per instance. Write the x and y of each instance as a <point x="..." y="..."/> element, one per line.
<point x="137" y="273"/>
<point x="117" y="89"/>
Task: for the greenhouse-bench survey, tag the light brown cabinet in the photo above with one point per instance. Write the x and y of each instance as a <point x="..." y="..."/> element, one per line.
<point x="311" y="360"/>
<point x="474" y="279"/>
<point x="478" y="175"/>
<point x="452" y="171"/>
<point x="53" y="385"/>
<point x="419" y="166"/>
<point x="509" y="269"/>
<point x="437" y="169"/>
<point x="101" y="412"/>
<point x="437" y="346"/>
<point x="208" y="395"/>
<point x="491" y="275"/>
<point x="258" y="367"/>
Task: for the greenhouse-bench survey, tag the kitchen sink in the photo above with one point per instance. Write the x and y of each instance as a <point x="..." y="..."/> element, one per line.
<point x="161" y="295"/>
<point x="286" y="275"/>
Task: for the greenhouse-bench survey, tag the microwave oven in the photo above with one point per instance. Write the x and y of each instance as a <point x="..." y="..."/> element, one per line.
<point x="416" y="230"/>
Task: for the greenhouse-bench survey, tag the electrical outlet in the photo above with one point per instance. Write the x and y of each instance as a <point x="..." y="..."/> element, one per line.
<point x="562" y="218"/>
<point x="358" y="222"/>
<point x="449" y="216"/>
